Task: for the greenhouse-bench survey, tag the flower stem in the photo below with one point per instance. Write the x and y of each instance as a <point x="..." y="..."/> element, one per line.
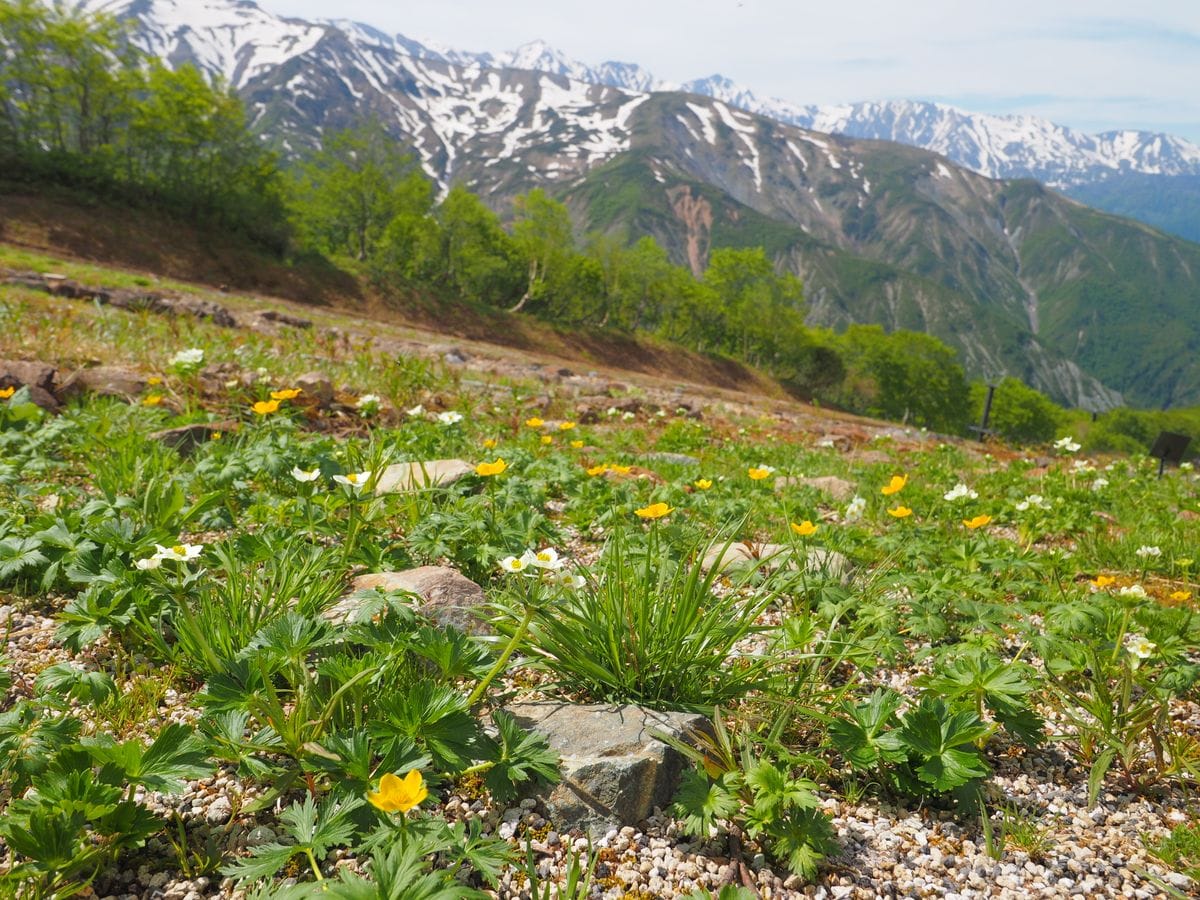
<point x="312" y="861"/>
<point x="503" y="660"/>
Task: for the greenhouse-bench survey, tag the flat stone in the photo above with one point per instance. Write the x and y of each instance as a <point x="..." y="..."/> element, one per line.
<point x="676" y="459"/>
<point x="818" y="560"/>
<point x="413" y="476"/>
<point x="443" y="595"/>
<point x="839" y="489"/>
<point x="33" y="374"/>
<point x="614" y="773"/>
<point x="109" y="381"/>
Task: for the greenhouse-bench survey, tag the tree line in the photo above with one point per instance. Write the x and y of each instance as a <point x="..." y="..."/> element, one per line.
<point x="81" y="107"/>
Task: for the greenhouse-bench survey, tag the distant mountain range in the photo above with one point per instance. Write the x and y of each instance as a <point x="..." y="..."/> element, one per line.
<point x="1089" y="307"/>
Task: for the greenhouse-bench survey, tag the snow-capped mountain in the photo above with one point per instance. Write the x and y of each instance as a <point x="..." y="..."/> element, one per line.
<point x="879" y="232"/>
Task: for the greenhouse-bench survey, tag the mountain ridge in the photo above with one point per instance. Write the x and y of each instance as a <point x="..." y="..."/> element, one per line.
<point x="880" y="232"/>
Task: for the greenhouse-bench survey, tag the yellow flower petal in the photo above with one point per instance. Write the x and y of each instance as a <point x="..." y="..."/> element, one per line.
<point x="535" y="422"/>
<point x="977" y="522"/>
<point x="805" y="528"/>
<point x="653" y="511"/>
<point x="492" y="468"/>
<point x="702" y="484"/>
<point x="899" y="512"/>
<point x="264" y="407"/>
<point x="894" y="486"/>
<point x="288" y="394"/>
<point x="597" y="470"/>
<point x="757" y="474"/>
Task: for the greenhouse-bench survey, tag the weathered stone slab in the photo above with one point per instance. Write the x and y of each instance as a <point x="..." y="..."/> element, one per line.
<point x="444" y="596"/>
<point x="186" y="438"/>
<point x="413" y="476"/>
<point x="839" y="489"/>
<point x="818" y="560"/>
<point x="614" y="773"/>
<point x="109" y="381"/>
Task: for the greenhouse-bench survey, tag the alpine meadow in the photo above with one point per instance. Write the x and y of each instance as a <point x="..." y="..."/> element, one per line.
<point x="431" y="475"/>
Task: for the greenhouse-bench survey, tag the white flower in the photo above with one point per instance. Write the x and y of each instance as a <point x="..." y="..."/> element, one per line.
<point x="1066" y="444"/>
<point x="1134" y="590"/>
<point x="449" y="418"/>
<point x="300" y="475"/>
<point x="546" y="558"/>
<point x="1033" y="500"/>
<point x="368" y="403"/>
<point x="417" y="410"/>
<point x="1099" y="484"/>
<point x="178" y="552"/>
<point x="627" y="416"/>
<point x="564" y="579"/>
<point x="1186" y="467"/>
<point x="262" y="371"/>
<point x="855" y="510"/>
<point x="1139" y="646"/>
<point x="150" y="562"/>
<point x="188" y="359"/>
<point x="1083" y="466"/>
<point x="1146" y="550"/>
<point x="356" y="481"/>
<point x="514" y="564"/>
<point x="960" y="491"/>
<point x="611" y="411"/>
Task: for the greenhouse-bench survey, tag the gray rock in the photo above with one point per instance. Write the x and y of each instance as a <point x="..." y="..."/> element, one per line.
<point x="413" y="476"/>
<point x="109" y="381"/>
<point x="818" y="560"/>
<point x="219" y="811"/>
<point x="443" y="595"/>
<point x="677" y="459"/>
<point x="839" y="489"/>
<point x="316" y="387"/>
<point x="37" y="376"/>
<point x="614" y="773"/>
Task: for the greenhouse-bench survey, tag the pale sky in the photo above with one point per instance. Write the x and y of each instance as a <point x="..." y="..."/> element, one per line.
<point x="1094" y="65"/>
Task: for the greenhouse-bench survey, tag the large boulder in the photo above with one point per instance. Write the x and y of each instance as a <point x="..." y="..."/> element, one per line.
<point x="186" y="438"/>
<point x="614" y="771"/>
<point x="316" y="387"/>
<point x="443" y="595"/>
<point x="413" y="476"/>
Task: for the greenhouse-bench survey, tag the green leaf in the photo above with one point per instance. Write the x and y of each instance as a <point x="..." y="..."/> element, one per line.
<point x="701" y="802"/>
<point x="67" y="679"/>
<point x="522" y="756"/>
<point x="176" y="756"/>
<point x="1100" y="766"/>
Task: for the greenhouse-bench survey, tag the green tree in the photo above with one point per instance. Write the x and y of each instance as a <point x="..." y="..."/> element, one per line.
<point x="1019" y="413"/>
<point x="542" y="236"/>
<point x="348" y="193"/>
<point x="477" y="258"/>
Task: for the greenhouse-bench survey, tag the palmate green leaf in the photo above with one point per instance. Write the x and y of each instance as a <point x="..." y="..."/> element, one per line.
<point x="863" y="735"/>
<point x="774" y="791"/>
<point x="312" y="828"/>
<point x="802" y="838"/>
<point x="934" y="734"/>
<point x="71" y="792"/>
<point x="18" y="555"/>
<point x="29" y="740"/>
<point x="51" y="839"/>
<point x="176" y="755"/>
<point x="521" y="755"/>
<point x="701" y="802"/>
<point x="68" y="679"/>
<point x="435" y="717"/>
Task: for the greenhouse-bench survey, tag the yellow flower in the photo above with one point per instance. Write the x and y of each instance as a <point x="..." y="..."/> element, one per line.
<point x="621" y="470"/>
<point x="597" y="470"/>
<point x="492" y="468"/>
<point x="288" y="394"/>
<point x="535" y="422"/>
<point x="489" y="443"/>
<point x="565" y="426"/>
<point x="900" y="512"/>
<point x="653" y="511"/>
<point x="263" y="407"/>
<point x="546" y="439"/>
<point x="151" y="400"/>
<point x="577" y="444"/>
<point x="399" y="794"/>
<point x="758" y="473"/>
<point x="894" y="486"/>
<point x="7" y="392"/>
<point x="153" y="380"/>
<point x="805" y="528"/>
<point x="1102" y="581"/>
<point x="977" y="522"/>
<point x="1180" y="596"/>
<point x="702" y="484"/>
